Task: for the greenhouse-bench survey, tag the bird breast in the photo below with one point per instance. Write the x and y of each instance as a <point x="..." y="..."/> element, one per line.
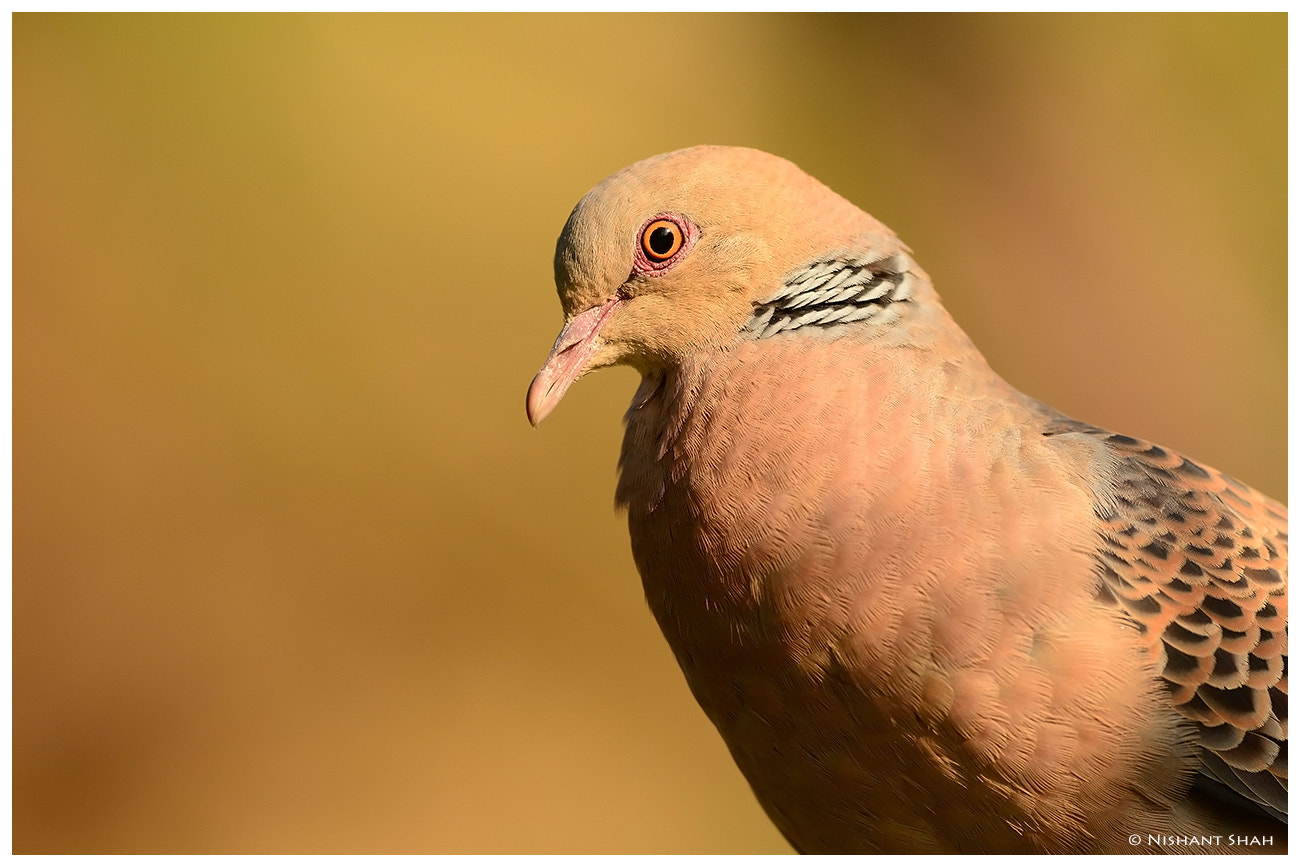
<point x="805" y="540"/>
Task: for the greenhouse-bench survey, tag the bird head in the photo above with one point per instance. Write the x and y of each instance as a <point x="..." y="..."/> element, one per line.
<point x="669" y="257"/>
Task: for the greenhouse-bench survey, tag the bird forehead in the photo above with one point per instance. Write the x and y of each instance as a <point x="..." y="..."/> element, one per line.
<point x="595" y="250"/>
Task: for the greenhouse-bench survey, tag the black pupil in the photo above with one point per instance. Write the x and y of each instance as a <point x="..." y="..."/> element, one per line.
<point x="661" y="240"/>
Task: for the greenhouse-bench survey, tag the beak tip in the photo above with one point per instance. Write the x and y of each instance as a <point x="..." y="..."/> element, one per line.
<point x="567" y="362"/>
<point x="536" y="404"/>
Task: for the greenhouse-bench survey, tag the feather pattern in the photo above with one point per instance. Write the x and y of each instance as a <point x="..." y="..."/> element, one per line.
<point x="837" y="291"/>
<point x="1198" y="561"/>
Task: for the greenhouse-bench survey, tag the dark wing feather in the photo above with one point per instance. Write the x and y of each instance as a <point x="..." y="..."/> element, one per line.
<point x="1198" y="561"/>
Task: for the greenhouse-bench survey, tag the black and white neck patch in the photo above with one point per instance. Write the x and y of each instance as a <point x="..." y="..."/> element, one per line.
<point x="836" y="291"/>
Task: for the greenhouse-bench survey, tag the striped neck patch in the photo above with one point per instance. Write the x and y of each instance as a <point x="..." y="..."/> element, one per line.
<point x="831" y="292"/>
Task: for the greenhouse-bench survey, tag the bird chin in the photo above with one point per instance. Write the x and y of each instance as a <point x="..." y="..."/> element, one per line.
<point x="569" y="358"/>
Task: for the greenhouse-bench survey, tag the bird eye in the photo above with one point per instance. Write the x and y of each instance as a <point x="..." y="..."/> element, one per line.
<point x="660" y="239"/>
<point x="663" y="241"/>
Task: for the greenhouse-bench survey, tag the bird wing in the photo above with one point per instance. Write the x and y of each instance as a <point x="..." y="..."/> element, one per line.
<point x="1197" y="560"/>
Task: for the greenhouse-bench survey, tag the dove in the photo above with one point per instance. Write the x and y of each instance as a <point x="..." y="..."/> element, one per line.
<point x="925" y="612"/>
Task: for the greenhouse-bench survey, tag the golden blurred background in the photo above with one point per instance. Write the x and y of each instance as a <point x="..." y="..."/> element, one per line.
<point x="291" y="571"/>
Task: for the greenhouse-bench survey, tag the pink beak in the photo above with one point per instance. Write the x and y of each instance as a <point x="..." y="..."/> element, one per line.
<point x="567" y="361"/>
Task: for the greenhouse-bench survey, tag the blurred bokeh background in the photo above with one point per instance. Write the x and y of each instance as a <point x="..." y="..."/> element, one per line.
<point x="291" y="571"/>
